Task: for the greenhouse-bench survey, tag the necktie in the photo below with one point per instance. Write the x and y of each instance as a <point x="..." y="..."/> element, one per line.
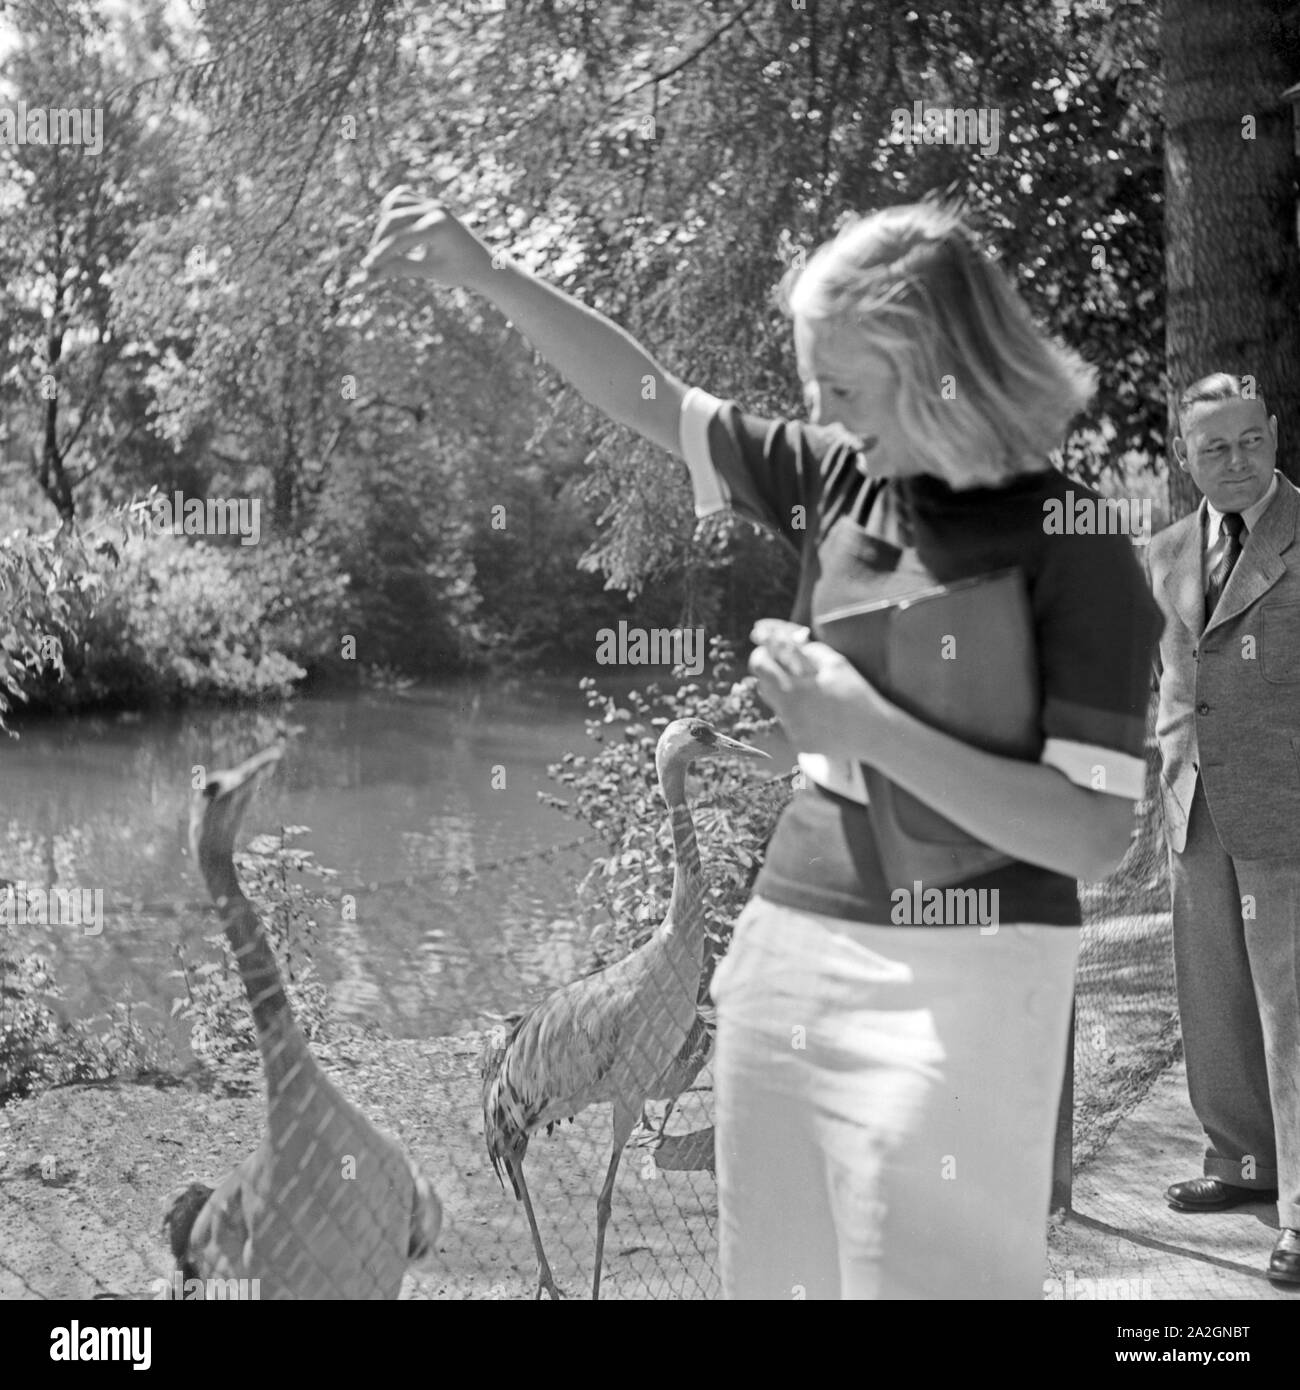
<point x="1223" y="555"/>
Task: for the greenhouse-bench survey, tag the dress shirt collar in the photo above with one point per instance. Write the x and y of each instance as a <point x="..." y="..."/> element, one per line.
<point x="1251" y="516"/>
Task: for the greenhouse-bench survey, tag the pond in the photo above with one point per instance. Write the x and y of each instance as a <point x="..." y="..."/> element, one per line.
<point x="437" y="785"/>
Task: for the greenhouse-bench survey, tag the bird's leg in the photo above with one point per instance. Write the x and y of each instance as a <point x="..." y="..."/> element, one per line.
<point x="603" y="1205"/>
<point x="668" y="1110"/>
<point x="624" y="1123"/>
<point x="544" y="1277"/>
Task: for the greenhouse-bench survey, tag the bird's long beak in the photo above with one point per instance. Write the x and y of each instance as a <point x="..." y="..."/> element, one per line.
<point x="723" y="744"/>
<point x="217" y="810"/>
<point x="242" y="775"/>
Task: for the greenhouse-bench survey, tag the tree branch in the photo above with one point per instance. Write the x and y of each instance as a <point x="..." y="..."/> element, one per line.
<point x="341" y="91"/>
<point x="657" y="77"/>
<point x="417" y="412"/>
<point x="654" y="79"/>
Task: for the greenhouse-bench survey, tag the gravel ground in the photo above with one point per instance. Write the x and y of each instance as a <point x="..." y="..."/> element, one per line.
<point x="85" y="1172"/>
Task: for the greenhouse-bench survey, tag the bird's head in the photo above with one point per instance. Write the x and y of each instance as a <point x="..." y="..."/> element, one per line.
<point x="218" y="808"/>
<point x="686" y="739"/>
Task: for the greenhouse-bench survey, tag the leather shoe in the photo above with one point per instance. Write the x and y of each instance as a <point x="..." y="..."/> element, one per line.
<point x="1213" y="1194"/>
<point x="1284" y="1262"/>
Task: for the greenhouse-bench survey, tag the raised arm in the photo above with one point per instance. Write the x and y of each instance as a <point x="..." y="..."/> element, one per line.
<point x="418" y="238"/>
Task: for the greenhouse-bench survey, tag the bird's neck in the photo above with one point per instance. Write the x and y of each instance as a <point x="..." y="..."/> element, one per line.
<point x="685" y="919"/>
<point x="278" y="1037"/>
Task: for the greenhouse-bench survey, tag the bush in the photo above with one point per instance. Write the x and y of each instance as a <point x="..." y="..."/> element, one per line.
<point x="40" y="1047"/>
<point x="183" y="619"/>
<point x="120" y="615"/>
<point x="616" y="792"/>
<point x="48" y="584"/>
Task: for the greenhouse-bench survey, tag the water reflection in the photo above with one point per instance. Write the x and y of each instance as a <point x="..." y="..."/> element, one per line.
<point x="438" y="786"/>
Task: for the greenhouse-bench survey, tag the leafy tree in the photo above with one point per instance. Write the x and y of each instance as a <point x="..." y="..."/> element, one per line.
<point x="665" y="162"/>
<point x="669" y="162"/>
<point x="68" y="212"/>
<point x="269" y="364"/>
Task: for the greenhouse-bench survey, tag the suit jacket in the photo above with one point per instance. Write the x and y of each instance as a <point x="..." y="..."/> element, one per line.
<point x="1230" y="692"/>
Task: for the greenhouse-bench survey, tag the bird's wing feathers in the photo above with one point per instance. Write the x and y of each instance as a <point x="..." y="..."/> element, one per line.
<point x="553" y="1066"/>
<point x="426" y="1217"/>
<point x="179" y="1217"/>
<point x="603" y="1038"/>
<point x="220" y="1241"/>
<point x="290" y="1217"/>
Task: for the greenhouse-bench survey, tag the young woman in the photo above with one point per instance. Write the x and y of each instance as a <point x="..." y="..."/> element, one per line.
<point x="886" y="1094"/>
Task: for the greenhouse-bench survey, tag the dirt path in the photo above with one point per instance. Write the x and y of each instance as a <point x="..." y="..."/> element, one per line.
<point x="85" y="1170"/>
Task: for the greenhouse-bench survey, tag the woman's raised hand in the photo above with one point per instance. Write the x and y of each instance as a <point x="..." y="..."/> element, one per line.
<point x="418" y="237"/>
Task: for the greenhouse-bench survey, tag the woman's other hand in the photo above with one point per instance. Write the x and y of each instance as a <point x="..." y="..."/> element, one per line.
<point x="418" y="237"/>
<point x="822" y="701"/>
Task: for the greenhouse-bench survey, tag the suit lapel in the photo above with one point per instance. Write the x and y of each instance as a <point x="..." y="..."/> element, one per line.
<point x="1261" y="565"/>
<point x="1183" y="582"/>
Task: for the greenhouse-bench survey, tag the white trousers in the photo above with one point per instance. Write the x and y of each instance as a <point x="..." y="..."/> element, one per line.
<point x="886" y="1105"/>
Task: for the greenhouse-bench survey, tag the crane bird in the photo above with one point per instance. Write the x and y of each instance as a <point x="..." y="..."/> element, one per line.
<point x="628" y="1034"/>
<point x="326" y="1206"/>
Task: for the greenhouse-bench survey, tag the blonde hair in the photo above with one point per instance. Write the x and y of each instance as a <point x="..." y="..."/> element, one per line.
<point x="913" y="284"/>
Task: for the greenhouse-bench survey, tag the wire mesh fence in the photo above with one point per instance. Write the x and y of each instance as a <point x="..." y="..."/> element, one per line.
<point x="1126" y="1011"/>
<point x="309" y="1158"/>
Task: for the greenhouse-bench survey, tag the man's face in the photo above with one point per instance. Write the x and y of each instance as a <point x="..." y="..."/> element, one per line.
<point x="1229" y="448"/>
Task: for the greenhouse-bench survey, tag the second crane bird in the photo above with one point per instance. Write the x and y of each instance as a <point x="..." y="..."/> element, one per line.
<point x="625" y="1035"/>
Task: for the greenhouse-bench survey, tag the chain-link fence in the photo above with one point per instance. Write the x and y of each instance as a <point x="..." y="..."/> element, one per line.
<point x="1126" y="1013"/>
<point x="315" y="1194"/>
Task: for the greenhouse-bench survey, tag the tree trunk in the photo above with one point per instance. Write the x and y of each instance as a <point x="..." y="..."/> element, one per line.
<point x="1231" y="256"/>
<point x="50" y="473"/>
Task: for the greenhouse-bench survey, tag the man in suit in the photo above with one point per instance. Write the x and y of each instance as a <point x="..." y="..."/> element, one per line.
<point x="1227" y="579"/>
